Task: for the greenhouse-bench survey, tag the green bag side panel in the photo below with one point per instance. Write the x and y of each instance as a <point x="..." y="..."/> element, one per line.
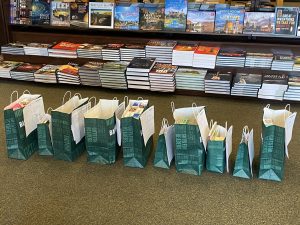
<point x="161" y="156"/>
<point x="242" y="162"/>
<point x="216" y="156"/>
<point x="45" y="147"/>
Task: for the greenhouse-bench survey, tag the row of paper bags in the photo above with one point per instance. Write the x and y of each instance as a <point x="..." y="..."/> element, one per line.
<point x="102" y="129"/>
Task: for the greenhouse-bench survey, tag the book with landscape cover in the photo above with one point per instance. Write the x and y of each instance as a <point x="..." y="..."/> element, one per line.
<point x="286" y="20"/>
<point x="79" y="14"/>
<point x="127" y="17"/>
<point x="48" y="70"/>
<point x="206" y="50"/>
<point x="200" y="21"/>
<point x="218" y="77"/>
<point x="101" y="15"/>
<point x="163" y="68"/>
<point x="259" y="22"/>
<point x="152" y="17"/>
<point x="60" y="13"/>
<point x="247" y="78"/>
<point x="41" y="10"/>
<point x="229" y="21"/>
<point x="139" y="64"/>
<point x="175" y="15"/>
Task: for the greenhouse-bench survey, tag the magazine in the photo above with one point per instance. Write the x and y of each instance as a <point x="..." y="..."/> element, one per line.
<point x="101" y="15"/>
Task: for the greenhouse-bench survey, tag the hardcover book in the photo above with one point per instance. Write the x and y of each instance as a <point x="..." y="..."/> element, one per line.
<point x="48" y="70"/>
<point x="286" y="20"/>
<point x="152" y="18"/>
<point x="163" y="68"/>
<point x="175" y="15"/>
<point x="259" y="22"/>
<point x="281" y="79"/>
<point x="218" y="77"/>
<point x="68" y="46"/>
<point x="60" y="14"/>
<point x="246" y="78"/>
<point x="294" y="80"/>
<point x="41" y="10"/>
<point x="79" y="14"/>
<point x="28" y="68"/>
<point x="200" y="21"/>
<point x="139" y="64"/>
<point x="101" y="15"/>
<point x="205" y="50"/>
<point x="25" y="11"/>
<point x="229" y="21"/>
<point x="127" y="17"/>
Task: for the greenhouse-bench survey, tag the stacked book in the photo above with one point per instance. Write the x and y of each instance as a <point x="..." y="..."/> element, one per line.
<point x="232" y="57"/>
<point x="183" y="54"/>
<point x="13" y="49"/>
<point x="46" y="74"/>
<point x="190" y="78"/>
<point x="129" y="51"/>
<point x="161" y="50"/>
<point x="283" y="60"/>
<point x="112" y="75"/>
<point x="273" y="86"/>
<point x="259" y="60"/>
<point x="90" y="51"/>
<point x="6" y="67"/>
<point x="246" y="84"/>
<point x="38" y="49"/>
<point x="217" y="82"/>
<point x="111" y="52"/>
<point x="25" y="71"/>
<point x="68" y="74"/>
<point x="296" y="66"/>
<point x="162" y="77"/>
<point x="293" y="91"/>
<point x="89" y="73"/>
<point x="137" y="73"/>
<point x="64" y="50"/>
<point x="205" y="57"/>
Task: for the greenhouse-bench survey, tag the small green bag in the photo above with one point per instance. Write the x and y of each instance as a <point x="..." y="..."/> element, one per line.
<point x="44" y="140"/>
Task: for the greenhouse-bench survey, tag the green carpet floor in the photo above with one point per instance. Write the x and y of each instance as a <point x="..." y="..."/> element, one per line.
<point x="47" y="191"/>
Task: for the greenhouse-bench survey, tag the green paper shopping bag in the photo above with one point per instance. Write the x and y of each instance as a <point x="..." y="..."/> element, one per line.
<point x="277" y="129"/>
<point x="21" y="118"/>
<point x="191" y="131"/>
<point x="68" y="128"/>
<point x="164" y="153"/>
<point x="137" y="128"/>
<point x="245" y="155"/>
<point x="219" y="148"/>
<point x="44" y="134"/>
<point x="101" y="131"/>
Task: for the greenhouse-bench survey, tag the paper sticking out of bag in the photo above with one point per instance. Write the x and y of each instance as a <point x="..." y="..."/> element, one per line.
<point x="228" y="146"/>
<point x="203" y="126"/>
<point x="105" y="109"/>
<point x="250" y="144"/>
<point x="147" y="123"/>
<point x="119" y="112"/>
<point x="135" y="108"/>
<point x="187" y="115"/>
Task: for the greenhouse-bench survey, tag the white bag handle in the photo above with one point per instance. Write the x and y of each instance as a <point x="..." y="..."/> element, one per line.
<point x="172" y="106"/>
<point x="211" y="123"/>
<point x="50" y="108"/>
<point x="164" y="122"/>
<point x="67" y="92"/>
<point x="194" y="105"/>
<point x="246" y="129"/>
<point x="268" y="106"/>
<point x="287" y="108"/>
<point x="12" y="94"/>
<point x="126" y="101"/>
<point x="78" y="94"/>
<point x="95" y="100"/>
<point x="115" y="98"/>
<point x="226" y="125"/>
<point x="140" y="98"/>
<point x="26" y="91"/>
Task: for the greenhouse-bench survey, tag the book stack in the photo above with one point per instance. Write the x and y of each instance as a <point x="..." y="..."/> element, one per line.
<point x="161" y="50"/>
<point x="205" y="57"/>
<point x="293" y="91"/>
<point x="38" y="49"/>
<point x="259" y="60"/>
<point x="6" y="67"/>
<point x="90" y="51"/>
<point x="246" y="84"/>
<point x="232" y="57"/>
<point x="46" y="74"/>
<point x="137" y="73"/>
<point x="283" y="60"/>
<point x="296" y="66"/>
<point x="162" y="77"/>
<point x="25" y="71"/>
<point x="273" y="86"/>
<point x="111" y="52"/>
<point x="217" y="82"/>
<point x="190" y="78"/>
<point x="13" y="49"/>
<point x="183" y="54"/>
<point x="64" y="50"/>
<point x="89" y="73"/>
<point x="112" y="75"/>
<point x="68" y="74"/>
<point x="129" y="51"/>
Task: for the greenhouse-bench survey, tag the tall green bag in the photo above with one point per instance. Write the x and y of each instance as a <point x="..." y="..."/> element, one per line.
<point x="21" y="140"/>
<point x="137" y="137"/>
<point x="45" y="147"/>
<point x="277" y="131"/>
<point x="68" y="128"/>
<point x="191" y="130"/>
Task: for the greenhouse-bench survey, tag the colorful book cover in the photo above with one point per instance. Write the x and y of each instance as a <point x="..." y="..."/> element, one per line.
<point x="60" y="14"/>
<point x="259" y="22"/>
<point x="162" y="43"/>
<point x="8" y="65"/>
<point x="28" y="68"/>
<point x="127" y="17"/>
<point x="207" y="7"/>
<point x="205" y="50"/>
<point x="186" y="47"/>
<point x="66" y="46"/>
<point x="41" y="12"/>
<point x="79" y="14"/>
<point x="175" y="15"/>
<point x="163" y="68"/>
<point x="217" y="76"/>
<point x="152" y="18"/>
<point x="286" y="20"/>
<point x="229" y="21"/>
<point x="14" y="17"/>
<point x="71" y="69"/>
<point x="200" y="21"/>
<point x="25" y="7"/>
<point x="247" y="78"/>
<point x="48" y="70"/>
<point x="101" y="15"/>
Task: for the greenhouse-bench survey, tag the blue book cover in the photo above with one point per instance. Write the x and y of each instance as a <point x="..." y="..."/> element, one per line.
<point x="127" y="17"/>
<point x="221" y="6"/>
<point x="175" y="14"/>
<point x="200" y="21"/>
<point x="229" y="21"/>
<point x="41" y="12"/>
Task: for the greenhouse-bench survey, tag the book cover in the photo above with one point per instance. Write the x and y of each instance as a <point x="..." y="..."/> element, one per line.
<point x="294" y="80"/>
<point x="247" y="78"/>
<point x="217" y="76"/>
<point x="163" y="68"/>
<point x="41" y="12"/>
<point x="152" y="18"/>
<point x="27" y="68"/>
<point x="208" y="7"/>
<point x="281" y="79"/>
<point x="200" y="21"/>
<point x="90" y="47"/>
<point x="92" y="66"/>
<point x="141" y="63"/>
<point x="259" y="22"/>
<point x="14" y="12"/>
<point x="161" y="43"/>
<point x="71" y="69"/>
<point x="229" y="21"/>
<point x="101" y="15"/>
<point x="7" y="65"/>
<point x="232" y="52"/>
<point x="113" y="46"/>
<point x="286" y="20"/>
<point x="60" y="14"/>
<point x="127" y="17"/>
<point x="25" y="7"/>
<point x="79" y="14"/>
<point x="206" y="50"/>
<point x="186" y="71"/>
<point x="69" y="46"/>
<point x="175" y="15"/>
<point x="186" y="47"/>
<point x="48" y="70"/>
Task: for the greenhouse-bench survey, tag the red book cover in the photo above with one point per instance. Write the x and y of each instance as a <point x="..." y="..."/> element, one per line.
<point x="66" y="46"/>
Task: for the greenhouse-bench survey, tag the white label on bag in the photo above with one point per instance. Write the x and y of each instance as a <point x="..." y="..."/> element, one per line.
<point x="203" y="127"/>
<point x="147" y="122"/>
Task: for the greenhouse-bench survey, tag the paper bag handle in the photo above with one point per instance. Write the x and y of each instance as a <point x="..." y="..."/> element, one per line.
<point x="172" y="106"/>
<point x="211" y="123"/>
<point x="268" y="106"/>
<point x="78" y="94"/>
<point x="164" y="122"/>
<point x="287" y="108"/>
<point x="140" y="98"/>
<point x="246" y="129"/>
<point x="194" y="105"/>
<point x="126" y="101"/>
<point x="12" y="94"/>
<point x="26" y="91"/>
<point x="69" y="93"/>
<point x="50" y="108"/>
<point x="115" y="98"/>
<point x="95" y="100"/>
<point x="226" y="125"/>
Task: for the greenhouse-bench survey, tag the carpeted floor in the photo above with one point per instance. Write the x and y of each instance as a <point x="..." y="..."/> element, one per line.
<point x="46" y="191"/>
